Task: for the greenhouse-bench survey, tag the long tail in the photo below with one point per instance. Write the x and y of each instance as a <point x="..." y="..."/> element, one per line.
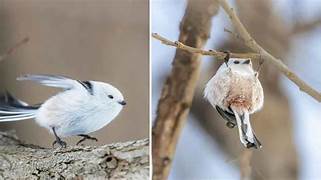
<point x="12" y="109"/>
<point x="246" y="133"/>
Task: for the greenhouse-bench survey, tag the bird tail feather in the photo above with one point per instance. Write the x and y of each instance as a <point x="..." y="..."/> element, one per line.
<point x="246" y="133"/>
<point x="12" y="109"/>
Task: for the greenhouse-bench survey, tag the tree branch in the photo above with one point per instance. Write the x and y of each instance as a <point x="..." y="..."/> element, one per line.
<point x="252" y="44"/>
<point x="18" y="160"/>
<point x="13" y="49"/>
<point x="217" y="54"/>
<point x="245" y="164"/>
<point x="306" y="26"/>
<point x="179" y="87"/>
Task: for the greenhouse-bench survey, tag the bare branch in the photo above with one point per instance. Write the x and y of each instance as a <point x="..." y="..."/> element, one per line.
<point x="251" y="43"/>
<point x="13" y="49"/>
<point x="245" y="164"/>
<point x="217" y="54"/>
<point x="306" y="26"/>
<point x="235" y="35"/>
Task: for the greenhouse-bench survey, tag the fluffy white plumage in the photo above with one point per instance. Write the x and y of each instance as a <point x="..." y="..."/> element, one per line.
<point x="84" y="106"/>
<point x="236" y="92"/>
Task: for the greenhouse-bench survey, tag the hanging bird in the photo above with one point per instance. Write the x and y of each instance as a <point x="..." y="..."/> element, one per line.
<point x="236" y="92"/>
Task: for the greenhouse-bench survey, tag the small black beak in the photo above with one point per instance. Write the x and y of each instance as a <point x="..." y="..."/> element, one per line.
<point x="247" y="62"/>
<point x="122" y="103"/>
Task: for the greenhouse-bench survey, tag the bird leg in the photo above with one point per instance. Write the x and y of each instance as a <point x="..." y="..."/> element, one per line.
<point x="85" y="137"/>
<point x="227" y="57"/>
<point x="58" y="140"/>
<point x="261" y="62"/>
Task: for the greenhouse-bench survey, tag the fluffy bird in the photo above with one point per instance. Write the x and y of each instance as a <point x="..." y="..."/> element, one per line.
<point x="236" y="92"/>
<point x="83" y="107"/>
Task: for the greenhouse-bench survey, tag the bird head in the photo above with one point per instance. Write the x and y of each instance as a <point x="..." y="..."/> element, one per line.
<point x="239" y="62"/>
<point x="108" y="93"/>
<point x="242" y="65"/>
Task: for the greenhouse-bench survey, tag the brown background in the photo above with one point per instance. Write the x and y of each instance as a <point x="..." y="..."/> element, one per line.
<point x="89" y="40"/>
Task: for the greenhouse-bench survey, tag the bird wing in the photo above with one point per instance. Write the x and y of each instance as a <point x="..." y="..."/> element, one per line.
<point x="218" y="87"/>
<point x="50" y="80"/>
<point x="57" y="81"/>
<point x="258" y="95"/>
<point x="230" y="117"/>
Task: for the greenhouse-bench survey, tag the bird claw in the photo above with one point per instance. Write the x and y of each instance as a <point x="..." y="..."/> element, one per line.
<point x="62" y="144"/>
<point x="85" y="137"/>
<point x="230" y="125"/>
<point x="227" y="57"/>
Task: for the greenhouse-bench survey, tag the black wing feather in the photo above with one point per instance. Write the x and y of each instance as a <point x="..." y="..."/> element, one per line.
<point x="230" y="117"/>
<point x="10" y="103"/>
<point x="88" y="86"/>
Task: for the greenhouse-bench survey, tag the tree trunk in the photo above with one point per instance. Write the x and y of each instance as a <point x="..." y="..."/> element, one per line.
<point x="18" y="160"/>
<point x="178" y="90"/>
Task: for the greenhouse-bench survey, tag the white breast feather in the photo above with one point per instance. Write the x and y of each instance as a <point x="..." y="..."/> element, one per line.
<point x="218" y="87"/>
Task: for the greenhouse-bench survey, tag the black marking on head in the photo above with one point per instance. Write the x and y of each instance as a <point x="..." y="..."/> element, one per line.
<point x="236" y="62"/>
<point x="247" y="62"/>
<point x="88" y="86"/>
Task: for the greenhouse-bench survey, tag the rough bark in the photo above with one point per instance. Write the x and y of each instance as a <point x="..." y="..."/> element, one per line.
<point x="129" y="160"/>
<point x="178" y="90"/>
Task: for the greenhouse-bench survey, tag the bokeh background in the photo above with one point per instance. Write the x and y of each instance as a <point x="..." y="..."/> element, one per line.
<point x="289" y="124"/>
<point x="103" y="40"/>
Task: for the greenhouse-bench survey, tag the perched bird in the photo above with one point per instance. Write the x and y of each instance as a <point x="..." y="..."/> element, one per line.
<point x="236" y="92"/>
<point x="83" y="107"/>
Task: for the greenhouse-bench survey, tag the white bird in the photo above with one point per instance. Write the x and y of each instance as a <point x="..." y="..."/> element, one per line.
<point x="83" y="107"/>
<point x="236" y="92"/>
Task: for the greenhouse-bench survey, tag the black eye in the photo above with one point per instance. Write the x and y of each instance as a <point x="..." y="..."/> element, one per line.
<point x="111" y="97"/>
<point x="236" y="62"/>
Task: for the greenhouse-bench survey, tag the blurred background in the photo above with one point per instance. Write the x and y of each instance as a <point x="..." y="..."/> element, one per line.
<point x="103" y="40"/>
<point x="288" y="125"/>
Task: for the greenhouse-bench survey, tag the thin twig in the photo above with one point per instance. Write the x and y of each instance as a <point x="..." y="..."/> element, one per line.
<point x="217" y="54"/>
<point x="245" y="164"/>
<point x="306" y="26"/>
<point x="261" y="55"/>
<point x="235" y="35"/>
<point x="13" y="48"/>
<point x="251" y="43"/>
